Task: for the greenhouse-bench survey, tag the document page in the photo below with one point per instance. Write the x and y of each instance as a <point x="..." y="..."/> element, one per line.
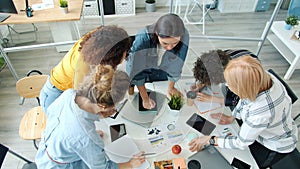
<point x="117" y="152"/>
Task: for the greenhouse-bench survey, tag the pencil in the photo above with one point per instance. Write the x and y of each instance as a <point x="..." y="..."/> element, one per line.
<point x="147" y="154"/>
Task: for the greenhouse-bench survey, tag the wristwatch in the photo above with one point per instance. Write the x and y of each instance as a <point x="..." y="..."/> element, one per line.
<point x="212" y="140"/>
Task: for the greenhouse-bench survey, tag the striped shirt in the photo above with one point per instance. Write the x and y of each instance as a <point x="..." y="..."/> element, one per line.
<point x="267" y="120"/>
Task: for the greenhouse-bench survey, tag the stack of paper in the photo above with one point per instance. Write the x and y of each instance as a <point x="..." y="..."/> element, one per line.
<point x="117" y="152"/>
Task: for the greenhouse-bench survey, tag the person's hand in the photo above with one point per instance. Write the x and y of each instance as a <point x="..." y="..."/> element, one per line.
<point x="150" y="104"/>
<point x="223" y="119"/>
<point x="174" y="91"/>
<point x="101" y="133"/>
<point x="197" y="143"/>
<point x="137" y="160"/>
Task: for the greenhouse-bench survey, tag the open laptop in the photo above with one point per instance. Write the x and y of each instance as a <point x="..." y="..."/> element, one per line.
<point x="209" y="158"/>
<point x="3" y="17"/>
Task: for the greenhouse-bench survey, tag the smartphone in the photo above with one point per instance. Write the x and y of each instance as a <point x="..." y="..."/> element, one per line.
<point x="239" y="164"/>
<point x="117" y="131"/>
<point x="201" y="124"/>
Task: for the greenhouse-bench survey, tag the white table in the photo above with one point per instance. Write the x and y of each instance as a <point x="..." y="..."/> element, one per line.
<point x="137" y="132"/>
<point x="287" y="47"/>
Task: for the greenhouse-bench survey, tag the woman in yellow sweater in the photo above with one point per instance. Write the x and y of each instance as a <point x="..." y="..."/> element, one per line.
<point x="105" y="45"/>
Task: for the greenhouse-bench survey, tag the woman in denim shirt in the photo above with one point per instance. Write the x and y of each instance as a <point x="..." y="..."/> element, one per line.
<point x="71" y="139"/>
<point x="158" y="54"/>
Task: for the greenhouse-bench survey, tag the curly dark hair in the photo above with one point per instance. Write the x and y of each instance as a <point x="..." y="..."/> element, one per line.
<point x="105" y="45"/>
<point x="209" y="67"/>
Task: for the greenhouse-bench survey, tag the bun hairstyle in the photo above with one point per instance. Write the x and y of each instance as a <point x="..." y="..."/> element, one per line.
<point x="104" y="85"/>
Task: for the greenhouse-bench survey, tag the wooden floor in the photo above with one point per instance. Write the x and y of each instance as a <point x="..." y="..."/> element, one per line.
<point x="249" y="25"/>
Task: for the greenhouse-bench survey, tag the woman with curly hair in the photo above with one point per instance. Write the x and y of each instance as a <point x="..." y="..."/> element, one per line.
<point x="208" y="72"/>
<point x="70" y="139"/>
<point x="158" y="54"/>
<point x="104" y="45"/>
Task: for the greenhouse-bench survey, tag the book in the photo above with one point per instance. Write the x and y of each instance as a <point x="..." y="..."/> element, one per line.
<point x="176" y="163"/>
<point x="164" y="164"/>
<point x="179" y="163"/>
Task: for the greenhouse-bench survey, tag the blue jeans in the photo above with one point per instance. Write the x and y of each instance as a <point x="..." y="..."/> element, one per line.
<point x="48" y="94"/>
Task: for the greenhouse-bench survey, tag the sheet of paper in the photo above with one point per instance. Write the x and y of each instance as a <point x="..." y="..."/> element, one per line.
<point x="117" y="152"/>
<point x="204" y="107"/>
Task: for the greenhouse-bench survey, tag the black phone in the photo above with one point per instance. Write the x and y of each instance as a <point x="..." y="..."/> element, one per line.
<point x="117" y="131"/>
<point x="201" y="124"/>
<point x="240" y="164"/>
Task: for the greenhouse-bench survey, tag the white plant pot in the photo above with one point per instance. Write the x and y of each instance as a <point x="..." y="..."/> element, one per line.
<point x="64" y="10"/>
<point x="150" y="7"/>
<point x="172" y="111"/>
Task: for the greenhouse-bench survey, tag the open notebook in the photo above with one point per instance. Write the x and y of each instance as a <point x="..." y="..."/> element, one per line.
<point x="117" y="152"/>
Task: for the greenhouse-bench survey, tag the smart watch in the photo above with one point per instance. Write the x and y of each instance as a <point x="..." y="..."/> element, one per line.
<point x="212" y="140"/>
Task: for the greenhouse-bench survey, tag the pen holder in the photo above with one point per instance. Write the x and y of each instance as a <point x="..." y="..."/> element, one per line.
<point x="29" y="11"/>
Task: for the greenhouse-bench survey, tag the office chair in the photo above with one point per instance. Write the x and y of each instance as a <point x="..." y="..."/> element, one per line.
<point x="203" y="9"/>
<point x="33" y="122"/>
<point x="3" y="152"/>
<point x="290" y="92"/>
<point x="291" y="161"/>
<point x="12" y="30"/>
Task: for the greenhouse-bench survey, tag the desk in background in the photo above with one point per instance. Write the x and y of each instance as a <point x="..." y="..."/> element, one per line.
<point x="62" y="25"/>
<point x="139" y="134"/>
<point x="286" y="46"/>
<point x="54" y="16"/>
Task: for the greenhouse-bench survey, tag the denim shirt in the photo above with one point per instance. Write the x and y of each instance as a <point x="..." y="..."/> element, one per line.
<point x="70" y="138"/>
<point x="143" y="55"/>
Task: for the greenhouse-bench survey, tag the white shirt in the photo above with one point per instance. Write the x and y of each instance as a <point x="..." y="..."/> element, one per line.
<point x="267" y="120"/>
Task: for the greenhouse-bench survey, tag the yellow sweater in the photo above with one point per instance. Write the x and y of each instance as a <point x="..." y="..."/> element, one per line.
<point x="70" y="70"/>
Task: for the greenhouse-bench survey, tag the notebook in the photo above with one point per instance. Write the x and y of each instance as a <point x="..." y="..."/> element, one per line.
<point x="209" y="158"/>
<point x="117" y="152"/>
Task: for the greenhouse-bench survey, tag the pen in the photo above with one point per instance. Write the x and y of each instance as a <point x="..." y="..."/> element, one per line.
<point x="147" y="154"/>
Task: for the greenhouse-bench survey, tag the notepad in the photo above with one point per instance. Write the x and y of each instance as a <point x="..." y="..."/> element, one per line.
<point x="204" y="107"/>
<point x="117" y="152"/>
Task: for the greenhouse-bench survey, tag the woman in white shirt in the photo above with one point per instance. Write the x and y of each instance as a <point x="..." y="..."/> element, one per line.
<point x="265" y="109"/>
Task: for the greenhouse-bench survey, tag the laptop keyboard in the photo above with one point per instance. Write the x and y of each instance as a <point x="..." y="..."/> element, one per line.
<point x="3" y="17"/>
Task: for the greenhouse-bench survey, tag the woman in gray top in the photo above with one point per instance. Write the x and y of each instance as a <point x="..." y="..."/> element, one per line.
<point x="158" y="54"/>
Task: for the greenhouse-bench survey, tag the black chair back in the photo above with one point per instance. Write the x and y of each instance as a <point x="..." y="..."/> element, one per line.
<point x="288" y="89"/>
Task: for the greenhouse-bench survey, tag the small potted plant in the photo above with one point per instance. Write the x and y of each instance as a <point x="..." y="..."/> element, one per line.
<point x="175" y="103"/>
<point x="291" y="21"/>
<point x="150" y="5"/>
<point x="63" y="4"/>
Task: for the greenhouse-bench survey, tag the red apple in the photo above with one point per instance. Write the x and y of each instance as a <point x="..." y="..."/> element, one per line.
<point x="176" y="149"/>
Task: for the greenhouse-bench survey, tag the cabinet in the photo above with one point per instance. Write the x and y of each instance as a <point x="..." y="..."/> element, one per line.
<point x="262" y="5"/>
<point x="111" y="7"/>
<point x="236" y="6"/>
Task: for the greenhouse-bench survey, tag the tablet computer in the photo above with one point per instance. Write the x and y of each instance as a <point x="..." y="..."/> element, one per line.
<point x="152" y="95"/>
<point x="201" y="124"/>
<point x="117" y="131"/>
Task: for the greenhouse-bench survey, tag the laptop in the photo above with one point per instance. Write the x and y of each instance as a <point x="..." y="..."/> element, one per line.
<point x="209" y="158"/>
<point x="3" y="17"/>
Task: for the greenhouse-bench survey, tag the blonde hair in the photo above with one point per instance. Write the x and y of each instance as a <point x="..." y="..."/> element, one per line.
<point x="104" y="85"/>
<point x="246" y="77"/>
